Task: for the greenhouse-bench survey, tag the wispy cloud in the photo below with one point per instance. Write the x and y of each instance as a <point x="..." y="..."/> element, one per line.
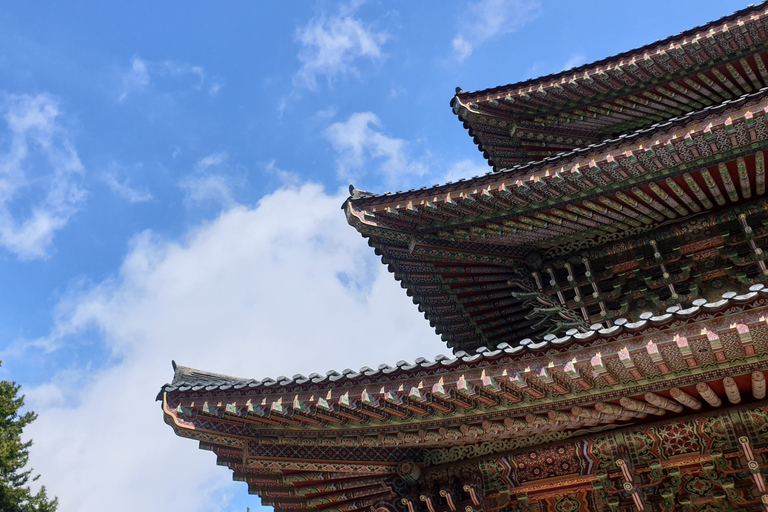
<point x="361" y="147"/>
<point x="124" y="189"/>
<point x="224" y="297"/>
<point x="331" y="45"/>
<point x="486" y="19"/>
<point x="136" y="78"/>
<point x="208" y="161"/>
<point x="542" y="68"/>
<point x="286" y="178"/>
<point x="214" y="188"/>
<point x="210" y="183"/>
<point x="141" y="74"/>
<point x="575" y="61"/>
<point x="40" y="174"/>
<point x="464" y="169"/>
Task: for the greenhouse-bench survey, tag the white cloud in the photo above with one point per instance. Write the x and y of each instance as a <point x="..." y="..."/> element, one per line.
<point x="542" y="68"/>
<point x="134" y="79"/>
<point x="358" y="143"/>
<point x="489" y="18"/>
<point x="327" y="113"/>
<point x="332" y="44"/>
<point x="464" y="169"/>
<point x="212" y="160"/>
<point x="285" y="287"/>
<point x="207" y="185"/>
<point x="214" y="88"/>
<point x="576" y="60"/>
<point x="39" y="175"/>
<point x="173" y="68"/>
<point x="209" y="188"/>
<point x="286" y="178"/>
<point x="124" y="189"/>
<point x="140" y="76"/>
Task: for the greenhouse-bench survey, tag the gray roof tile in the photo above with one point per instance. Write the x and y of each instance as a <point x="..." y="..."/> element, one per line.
<point x="188" y="379"/>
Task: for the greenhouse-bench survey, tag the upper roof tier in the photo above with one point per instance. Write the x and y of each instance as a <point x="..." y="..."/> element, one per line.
<point x="539" y="118"/>
<point x="648" y="220"/>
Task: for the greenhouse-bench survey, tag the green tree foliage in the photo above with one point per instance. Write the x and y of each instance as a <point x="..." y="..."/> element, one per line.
<point x="15" y="495"/>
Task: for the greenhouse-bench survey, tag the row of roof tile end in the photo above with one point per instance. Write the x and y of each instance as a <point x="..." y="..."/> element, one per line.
<point x="189" y="379"/>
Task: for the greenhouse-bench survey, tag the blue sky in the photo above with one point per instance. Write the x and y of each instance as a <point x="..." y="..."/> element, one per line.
<point x="170" y="182"/>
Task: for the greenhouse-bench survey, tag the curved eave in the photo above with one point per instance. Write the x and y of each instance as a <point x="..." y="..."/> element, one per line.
<point x="190" y="380"/>
<point x="537" y="119"/>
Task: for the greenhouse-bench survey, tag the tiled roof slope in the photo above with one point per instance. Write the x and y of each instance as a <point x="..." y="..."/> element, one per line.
<point x="188" y="379"/>
<point x="752" y="9"/>
<point x="529" y="170"/>
<point x="374" y="418"/>
<point x="535" y="119"/>
<point x="468" y="253"/>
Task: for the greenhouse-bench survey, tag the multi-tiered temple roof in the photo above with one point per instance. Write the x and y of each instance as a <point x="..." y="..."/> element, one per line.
<point x="654" y="219"/>
<point x="604" y="291"/>
<point x="540" y="118"/>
